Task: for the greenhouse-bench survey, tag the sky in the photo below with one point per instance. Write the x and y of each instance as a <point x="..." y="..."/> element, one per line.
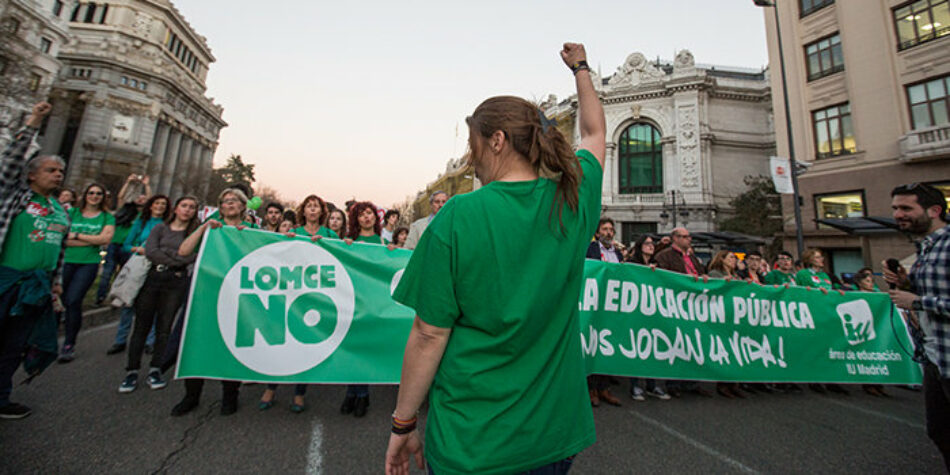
<point x="367" y="99"/>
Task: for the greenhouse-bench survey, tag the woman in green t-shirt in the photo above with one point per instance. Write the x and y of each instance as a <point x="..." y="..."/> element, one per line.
<point x="364" y="227"/>
<point x="813" y="275"/>
<point x="91" y="228"/>
<point x="494" y="282"/>
<point x="312" y="219"/>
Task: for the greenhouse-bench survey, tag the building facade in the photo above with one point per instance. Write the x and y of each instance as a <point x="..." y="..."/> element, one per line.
<point x="130" y="98"/>
<point x="868" y="97"/>
<point x="680" y="139"/>
<point x="457" y="179"/>
<point x="31" y="35"/>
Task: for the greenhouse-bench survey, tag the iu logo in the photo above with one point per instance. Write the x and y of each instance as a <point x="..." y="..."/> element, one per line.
<point x="857" y="320"/>
<point x="282" y="316"/>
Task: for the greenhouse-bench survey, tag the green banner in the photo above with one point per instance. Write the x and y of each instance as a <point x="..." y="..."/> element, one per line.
<point x="267" y="308"/>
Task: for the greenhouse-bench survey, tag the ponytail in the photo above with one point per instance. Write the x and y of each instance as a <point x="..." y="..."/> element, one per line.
<point x="535" y="138"/>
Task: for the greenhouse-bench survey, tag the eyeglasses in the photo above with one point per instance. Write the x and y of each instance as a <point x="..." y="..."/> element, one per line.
<point x="784" y="258"/>
<point x="94" y="193"/>
<point x="230" y="201"/>
<point x="649" y="243"/>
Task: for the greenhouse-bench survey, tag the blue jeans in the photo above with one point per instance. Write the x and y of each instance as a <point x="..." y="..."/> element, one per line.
<point x="14" y="334"/>
<point x="115" y="257"/>
<point x="77" y="278"/>
<point x="126" y="315"/>
<point x="561" y="467"/>
<point x="357" y="390"/>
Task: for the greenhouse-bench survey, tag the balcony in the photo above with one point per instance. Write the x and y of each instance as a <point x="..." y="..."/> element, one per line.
<point x="925" y="144"/>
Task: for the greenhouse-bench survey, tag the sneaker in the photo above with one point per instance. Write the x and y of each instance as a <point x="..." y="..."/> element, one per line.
<point x="155" y="380"/>
<point x="67" y="354"/>
<point x="637" y="394"/>
<point x="129" y="383"/>
<point x="658" y="393"/>
<point x="14" y="411"/>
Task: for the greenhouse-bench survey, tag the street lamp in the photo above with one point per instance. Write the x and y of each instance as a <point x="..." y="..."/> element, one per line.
<point x="788" y="130"/>
<point x="664" y="216"/>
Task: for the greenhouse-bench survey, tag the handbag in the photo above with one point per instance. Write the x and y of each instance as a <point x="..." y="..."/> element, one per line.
<point x="129" y="281"/>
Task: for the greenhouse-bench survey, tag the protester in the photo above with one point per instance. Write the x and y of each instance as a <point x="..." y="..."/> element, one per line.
<point x="390" y="220"/>
<point x="921" y="211"/>
<point x="680" y="258"/>
<point x="66" y="197"/>
<point x="164" y="291"/>
<point x="602" y="249"/>
<point x="30" y="269"/>
<point x="312" y="217"/>
<point x="864" y="282"/>
<point x="155" y="211"/>
<point x="364" y="227"/>
<point x="753" y="268"/>
<point x="436" y="201"/>
<point x="132" y="199"/>
<point x="91" y="228"/>
<point x="784" y="273"/>
<point x="723" y="266"/>
<point x="507" y="389"/>
<point x="337" y="222"/>
<point x="399" y="236"/>
<point x="813" y="276"/>
<point x="232" y="203"/>
<point x="286" y="226"/>
<point x="642" y="253"/>
<point x="273" y="215"/>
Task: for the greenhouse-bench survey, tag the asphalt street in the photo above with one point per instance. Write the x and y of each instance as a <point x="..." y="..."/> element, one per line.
<point x="81" y="424"/>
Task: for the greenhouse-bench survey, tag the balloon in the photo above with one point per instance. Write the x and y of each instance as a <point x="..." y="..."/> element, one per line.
<point x="254" y="203"/>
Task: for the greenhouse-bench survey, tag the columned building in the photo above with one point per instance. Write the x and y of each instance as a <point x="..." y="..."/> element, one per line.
<point x="680" y="139"/>
<point x="31" y="35"/>
<point x="131" y="98"/>
<point x="869" y="87"/>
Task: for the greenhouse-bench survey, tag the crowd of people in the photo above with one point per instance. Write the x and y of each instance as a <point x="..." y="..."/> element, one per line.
<point x="53" y="241"/>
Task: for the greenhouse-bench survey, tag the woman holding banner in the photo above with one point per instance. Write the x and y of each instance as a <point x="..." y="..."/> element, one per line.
<point x="232" y="203"/>
<point x="499" y="270"/>
<point x="312" y="218"/>
<point x="641" y="252"/>
<point x="364" y="227"/>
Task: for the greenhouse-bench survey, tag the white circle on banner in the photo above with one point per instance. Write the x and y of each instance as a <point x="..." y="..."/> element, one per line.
<point x="255" y="315"/>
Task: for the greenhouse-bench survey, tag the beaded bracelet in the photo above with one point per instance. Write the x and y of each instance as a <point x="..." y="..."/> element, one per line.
<point x="401" y="426"/>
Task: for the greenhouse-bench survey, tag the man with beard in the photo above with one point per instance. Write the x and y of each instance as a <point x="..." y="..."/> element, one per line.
<point x="603" y="249"/>
<point x="921" y="211"/>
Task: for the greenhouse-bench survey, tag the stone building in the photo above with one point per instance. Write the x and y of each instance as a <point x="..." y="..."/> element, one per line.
<point x="869" y="87"/>
<point x="456" y="180"/>
<point x="31" y="35"/>
<point x="680" y="139"/>
<point x="130" y="98"/>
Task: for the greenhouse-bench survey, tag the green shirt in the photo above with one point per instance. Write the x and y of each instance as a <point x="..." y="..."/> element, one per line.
<point x="89" y="226"/>
<point x="374" y="239"/>
<point x="35" y="236"/>
<point x="816" y="280"/>
<point x="496" y="266"/>
<point x="777" y="277"/>
<point x="118" y="237"/>
<point x="321" y="231"/>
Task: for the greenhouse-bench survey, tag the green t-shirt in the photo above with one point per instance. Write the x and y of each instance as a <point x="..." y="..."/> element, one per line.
<point x="816" y="280"/>
<point x="90" y="226"/>
<point x="374" y="239"/>
<point x="321" y="231"/>
<point x="510" y="393"/>
<point x="777" y="277"/>
<point x="35" y="236"/>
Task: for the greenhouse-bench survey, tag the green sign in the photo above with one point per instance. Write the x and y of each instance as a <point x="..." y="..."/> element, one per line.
<point x="268" y="308"/>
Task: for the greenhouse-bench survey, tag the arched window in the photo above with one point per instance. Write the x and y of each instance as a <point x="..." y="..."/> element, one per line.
<point x="641" y="160"/>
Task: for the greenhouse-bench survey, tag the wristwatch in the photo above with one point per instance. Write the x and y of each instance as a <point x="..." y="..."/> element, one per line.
<point x="917" y="305"/>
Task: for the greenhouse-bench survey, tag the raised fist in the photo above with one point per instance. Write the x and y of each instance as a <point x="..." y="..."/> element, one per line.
<point x="573" y="53"/>
<point x="40" y="110"/>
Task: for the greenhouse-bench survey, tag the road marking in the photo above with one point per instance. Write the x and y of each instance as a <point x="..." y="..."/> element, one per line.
<point x="695" y="443"/>
<point x="877" y="413"/>
<point x="314" y="452"/>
